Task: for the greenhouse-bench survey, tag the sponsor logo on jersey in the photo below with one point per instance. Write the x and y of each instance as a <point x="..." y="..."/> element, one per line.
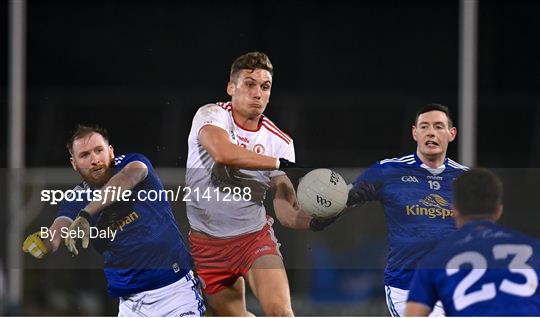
<point x="323" y="202"/>
<point x="409" y="179"/>
<point x="128" y="219"/>
<point x="431" y="177"/>
<point x="431" y="206"/>
<point x="244" y="139"/>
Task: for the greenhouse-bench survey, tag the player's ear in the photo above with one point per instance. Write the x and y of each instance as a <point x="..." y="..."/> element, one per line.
<point x="72" y="161"/>
<point x="499" y="213"/>
<point x="457" y="217"/>
<point x="414" y="133"/>
<point x="230" y="88"/>
<point x="453" y="133"/>
<point x="111" y="151"/>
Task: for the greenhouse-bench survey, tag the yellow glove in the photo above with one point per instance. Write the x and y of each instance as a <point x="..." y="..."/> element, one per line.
<point x="82" y="222"/>
<point x="34" y="245"/>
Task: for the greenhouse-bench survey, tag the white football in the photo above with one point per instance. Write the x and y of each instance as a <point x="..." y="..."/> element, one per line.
<point x="322" y="193"/>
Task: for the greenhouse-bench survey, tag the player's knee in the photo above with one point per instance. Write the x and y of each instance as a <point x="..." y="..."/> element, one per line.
<point x="277" y="308"/>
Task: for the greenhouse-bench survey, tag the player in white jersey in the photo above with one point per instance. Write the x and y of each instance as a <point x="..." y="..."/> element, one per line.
<point x="233" y="159"/>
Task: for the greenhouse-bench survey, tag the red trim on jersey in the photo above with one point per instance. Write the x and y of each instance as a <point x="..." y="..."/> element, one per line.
<point x="226" y="106"/>
<point x="259" y="125"/>
<point x="268" y="121"/>
<point x="270" y="129"/>
<point x="263" y="121"/>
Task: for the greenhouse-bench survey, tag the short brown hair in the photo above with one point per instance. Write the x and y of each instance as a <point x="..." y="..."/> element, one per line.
<point x="82" y="131"/>
<point x="477" y="192"/>
<point x="250" y="61"/>
<point x="432" y="107"/>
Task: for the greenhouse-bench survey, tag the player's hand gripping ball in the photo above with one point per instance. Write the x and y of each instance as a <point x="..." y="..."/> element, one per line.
<point x="322" y="193"/>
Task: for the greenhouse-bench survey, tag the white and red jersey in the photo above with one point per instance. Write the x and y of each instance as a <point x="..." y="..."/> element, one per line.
<point x="216" y="214"/>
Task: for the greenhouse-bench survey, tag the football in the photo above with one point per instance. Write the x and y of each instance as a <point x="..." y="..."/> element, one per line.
<point x="322" y="193"/>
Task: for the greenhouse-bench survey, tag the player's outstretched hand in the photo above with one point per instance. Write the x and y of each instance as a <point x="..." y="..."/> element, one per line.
<point x="81" y="225"/>
<point x="33" y="244"/>
<point x="317" y="224"/>
<point x="361" y="193"/>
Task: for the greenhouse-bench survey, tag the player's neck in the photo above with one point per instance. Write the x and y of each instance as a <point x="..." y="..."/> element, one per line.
<point x="432" y="161"/>
<point x="245" y="122"/>
<point x="460" y="222"/>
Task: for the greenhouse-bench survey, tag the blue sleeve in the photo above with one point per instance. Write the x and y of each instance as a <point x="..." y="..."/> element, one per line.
<point x="121" y="161"/>
<point x="370" y="181"/>
<point x="422" y="288"/>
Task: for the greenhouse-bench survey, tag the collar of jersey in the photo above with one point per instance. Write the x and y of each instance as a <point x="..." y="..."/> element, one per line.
<point x="259" y="125"/>
<point x="474" y="223"/>
<point x="433" y="171"/>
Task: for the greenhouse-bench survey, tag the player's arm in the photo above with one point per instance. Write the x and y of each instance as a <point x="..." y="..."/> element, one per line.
<point x="366" y="187"/>
<point x="288" y="211"/>
<point x="415" y="309"/>
<point x="39" y="247"/>
<point x="359" y="194"/>
<point x="126" y="179"/>
<point x="422" y="290"/>
<point x="216" y="141"/>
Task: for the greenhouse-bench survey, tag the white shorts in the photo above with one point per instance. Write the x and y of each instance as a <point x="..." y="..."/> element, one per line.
<point x="396" y="299"/>
<point x="179" y="299"/>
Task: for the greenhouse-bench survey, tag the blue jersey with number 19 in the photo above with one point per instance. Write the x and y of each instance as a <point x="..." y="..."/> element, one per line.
<point x="417" y="204"/>
<point x="483" y="269"/>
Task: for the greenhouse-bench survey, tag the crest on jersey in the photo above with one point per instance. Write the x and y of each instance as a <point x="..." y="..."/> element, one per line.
<point x="258" y="149"/>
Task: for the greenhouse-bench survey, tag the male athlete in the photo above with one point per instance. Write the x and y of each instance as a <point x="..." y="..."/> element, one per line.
<point x="235" y="149"/>
<point x="416" y="193"/>
<point x="147" y="264"/>
<point x="483" y="269"/>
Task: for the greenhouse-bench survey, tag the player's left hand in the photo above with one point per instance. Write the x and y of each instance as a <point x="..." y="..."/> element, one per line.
<point x="80" y="225"/>
<point x="317" y="224"/>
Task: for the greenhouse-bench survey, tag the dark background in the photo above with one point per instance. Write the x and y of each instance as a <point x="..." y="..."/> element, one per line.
<point x="348" y="80"/>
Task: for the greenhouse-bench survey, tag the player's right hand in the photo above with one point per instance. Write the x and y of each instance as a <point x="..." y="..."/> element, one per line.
<point x="82" y="222"/>
<point x="33" y="244"/>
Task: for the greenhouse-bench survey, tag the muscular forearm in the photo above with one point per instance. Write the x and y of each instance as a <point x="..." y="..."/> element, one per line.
<point x="125" y="180"/>
<point x="218" y="144"/>
<point x="288" y="211"/>
<point x="291" y="216"/>
<point x="237" y="157"/>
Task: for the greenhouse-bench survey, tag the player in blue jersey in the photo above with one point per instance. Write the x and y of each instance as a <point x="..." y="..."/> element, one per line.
<point x="146" y="262"/>
<point x="416" y="193"/>
<point x="483" y="269"/>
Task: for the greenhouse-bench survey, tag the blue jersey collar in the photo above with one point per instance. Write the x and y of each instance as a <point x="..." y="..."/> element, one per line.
<point x="418" y="162"/>
<point x="474" y="223"/>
